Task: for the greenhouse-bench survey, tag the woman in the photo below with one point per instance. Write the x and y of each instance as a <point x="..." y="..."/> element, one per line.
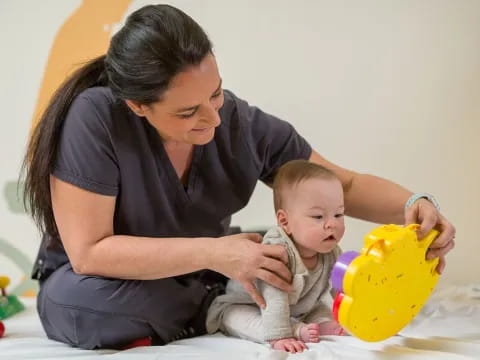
<point x="133" y="174"/>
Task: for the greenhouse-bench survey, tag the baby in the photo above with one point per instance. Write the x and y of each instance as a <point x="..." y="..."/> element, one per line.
<point x="309" y="207"/>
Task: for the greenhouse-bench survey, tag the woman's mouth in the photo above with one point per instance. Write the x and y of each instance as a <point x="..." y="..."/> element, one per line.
<point x="201" y="130"/>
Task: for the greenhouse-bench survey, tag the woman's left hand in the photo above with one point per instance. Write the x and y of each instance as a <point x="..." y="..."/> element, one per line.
<point x="423" y="212"/>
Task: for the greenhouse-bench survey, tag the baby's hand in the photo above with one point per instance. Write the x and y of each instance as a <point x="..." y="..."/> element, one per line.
<point x="330" y="328"/>
<point x="291" y="345"/>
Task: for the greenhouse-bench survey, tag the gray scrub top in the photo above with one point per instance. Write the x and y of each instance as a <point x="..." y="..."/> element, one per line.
<point x="107" y="149"/>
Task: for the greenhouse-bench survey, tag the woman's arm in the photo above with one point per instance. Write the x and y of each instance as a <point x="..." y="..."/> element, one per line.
<point x="85" y="223"/>
<point x="369" y="197"/>
<point x="375" y="199"/>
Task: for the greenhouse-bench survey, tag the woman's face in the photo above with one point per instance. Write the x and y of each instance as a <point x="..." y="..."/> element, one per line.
<point x="188" y="110"/>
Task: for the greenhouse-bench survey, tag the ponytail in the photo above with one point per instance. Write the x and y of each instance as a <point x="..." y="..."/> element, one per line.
<point x="42" y="147"/>
<point x="156" y="43"/>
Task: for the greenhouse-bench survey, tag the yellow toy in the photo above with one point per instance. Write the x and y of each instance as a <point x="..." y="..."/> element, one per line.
<point x="383" y="288"/>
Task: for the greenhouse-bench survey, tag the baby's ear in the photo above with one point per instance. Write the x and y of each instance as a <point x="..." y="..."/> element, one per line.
<point x="282" y="220"/>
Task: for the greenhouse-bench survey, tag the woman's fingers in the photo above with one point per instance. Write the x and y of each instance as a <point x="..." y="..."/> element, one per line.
<point x="427" y="223"/>
<point x="433" y="253"/>
<point x="447" y="233"/>
<point x="278" y="268"/>
<point x="276" y="251"/>
<point x="411" y="215"/>
<point x="253" y="292"/>
<point x="256" y="237"/>
<point x="441" y="265"/>
<point x="273" y="279"/>
<point x="422" y="212"/>
<point x="425" y="213"/>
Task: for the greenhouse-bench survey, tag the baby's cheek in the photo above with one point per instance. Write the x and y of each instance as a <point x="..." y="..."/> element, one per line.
<point x="315" y="235"/>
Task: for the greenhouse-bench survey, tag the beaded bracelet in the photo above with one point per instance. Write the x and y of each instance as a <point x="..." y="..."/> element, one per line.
<point x="417" y="196"/>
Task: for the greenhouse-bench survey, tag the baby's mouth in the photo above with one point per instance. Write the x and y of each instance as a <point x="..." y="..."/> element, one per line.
<point x="329" y="238"/>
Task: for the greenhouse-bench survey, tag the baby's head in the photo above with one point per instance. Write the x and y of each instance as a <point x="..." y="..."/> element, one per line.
<point x="309" y="206"/>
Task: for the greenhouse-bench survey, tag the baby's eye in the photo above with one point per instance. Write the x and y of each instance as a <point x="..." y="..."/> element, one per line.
<point x="338" y="215"/>
<point x="317" y="217"/>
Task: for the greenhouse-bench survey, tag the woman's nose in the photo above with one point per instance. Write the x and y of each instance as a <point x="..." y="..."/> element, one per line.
<point x="215" y="118"/>
<point x="211" y="116"/>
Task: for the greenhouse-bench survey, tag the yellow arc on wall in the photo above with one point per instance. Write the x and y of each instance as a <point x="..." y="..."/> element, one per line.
<point x="84" y="36"/>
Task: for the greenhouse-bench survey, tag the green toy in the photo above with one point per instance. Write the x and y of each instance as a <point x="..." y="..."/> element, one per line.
<point x="9" y="304"/>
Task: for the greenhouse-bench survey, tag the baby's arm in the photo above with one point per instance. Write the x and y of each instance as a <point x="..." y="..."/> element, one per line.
<point x="276" y="315"/>
<point x="277" y="327"/>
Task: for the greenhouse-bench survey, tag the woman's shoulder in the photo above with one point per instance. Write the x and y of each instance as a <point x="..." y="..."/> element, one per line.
<point x="101" y="97"/>
<point x="98" y="105"/>
<point x="236" y="111"/>
<point x="96" y="114"/>
<point x="98" y="95"/>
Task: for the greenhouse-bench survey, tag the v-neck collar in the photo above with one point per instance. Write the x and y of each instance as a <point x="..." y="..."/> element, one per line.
<point x="172" y="173"/>
<point x="164" y="163"/>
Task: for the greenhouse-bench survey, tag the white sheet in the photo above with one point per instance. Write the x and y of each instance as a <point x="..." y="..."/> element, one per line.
<point x="447" y="328"/>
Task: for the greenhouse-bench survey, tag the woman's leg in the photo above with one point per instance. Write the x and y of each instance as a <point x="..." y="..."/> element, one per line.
<point x="94" y="312"/>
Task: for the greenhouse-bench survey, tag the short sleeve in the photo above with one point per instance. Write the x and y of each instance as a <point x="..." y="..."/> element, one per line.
<point x="85" y="154"/>
<point x="271" y="141"/>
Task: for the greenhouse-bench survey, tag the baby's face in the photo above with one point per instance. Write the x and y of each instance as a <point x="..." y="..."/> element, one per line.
<point x="314" y="210"/>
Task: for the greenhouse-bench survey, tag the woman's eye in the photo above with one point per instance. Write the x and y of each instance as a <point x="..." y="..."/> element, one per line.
<point x="186" y="116"/>
<point x="217" y="94"/>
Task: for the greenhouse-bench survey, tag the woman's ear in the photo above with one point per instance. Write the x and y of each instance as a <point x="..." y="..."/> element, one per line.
<point x="282" y="220"/>
<point x="138" y="108"/>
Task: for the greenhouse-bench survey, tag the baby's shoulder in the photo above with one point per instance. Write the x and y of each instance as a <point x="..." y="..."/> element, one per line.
<point x="275" y="236"/>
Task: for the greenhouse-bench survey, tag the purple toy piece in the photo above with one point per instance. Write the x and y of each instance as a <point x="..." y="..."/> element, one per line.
<point x="340" y="268"/>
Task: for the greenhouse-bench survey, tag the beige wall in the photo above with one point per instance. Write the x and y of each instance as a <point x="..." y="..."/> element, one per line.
<point x="385" y="87"/>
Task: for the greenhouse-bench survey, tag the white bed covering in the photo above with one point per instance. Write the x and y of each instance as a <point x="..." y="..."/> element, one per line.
<point x="447" y="328"/>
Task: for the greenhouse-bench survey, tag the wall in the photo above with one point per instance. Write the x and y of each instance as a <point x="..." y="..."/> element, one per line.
<point x="390" y="88"/>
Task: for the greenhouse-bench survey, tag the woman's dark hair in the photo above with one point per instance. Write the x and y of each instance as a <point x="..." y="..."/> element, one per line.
<point x="156" y="43"/>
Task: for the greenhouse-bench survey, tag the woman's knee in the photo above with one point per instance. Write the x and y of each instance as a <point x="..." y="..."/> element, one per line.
<point x="95" y="312"/>
<point x="89" y="329"/>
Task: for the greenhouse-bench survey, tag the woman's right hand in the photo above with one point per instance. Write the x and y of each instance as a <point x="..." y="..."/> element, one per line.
<point x="242" y="257"/>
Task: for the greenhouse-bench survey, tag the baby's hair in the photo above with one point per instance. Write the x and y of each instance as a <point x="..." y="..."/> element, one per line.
<point x="293" y="173"/>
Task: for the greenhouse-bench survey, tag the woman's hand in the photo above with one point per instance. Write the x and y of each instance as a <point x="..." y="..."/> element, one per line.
<point x="423" y="212"/>
<point x="243" y="258"/>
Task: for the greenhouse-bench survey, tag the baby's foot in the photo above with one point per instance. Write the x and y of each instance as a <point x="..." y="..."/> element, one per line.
<point x="330" y="328"/>
<point x="310" y="333"/>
